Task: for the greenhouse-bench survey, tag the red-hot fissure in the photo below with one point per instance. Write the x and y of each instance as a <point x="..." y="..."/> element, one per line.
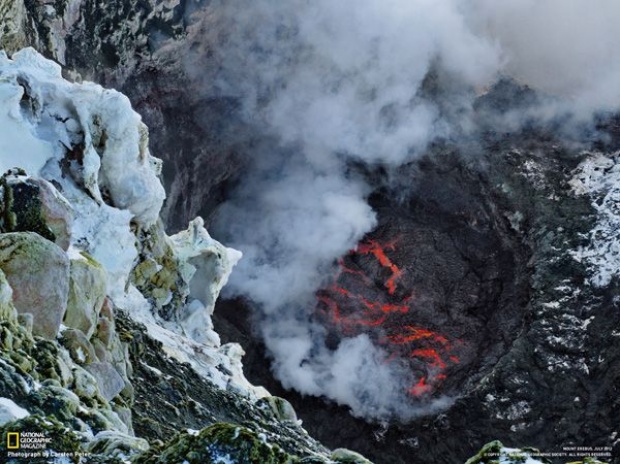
<point x="353" y="304"/>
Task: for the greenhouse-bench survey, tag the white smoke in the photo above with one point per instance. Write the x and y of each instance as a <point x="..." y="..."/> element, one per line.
<point x="330" y="81"/>
<point x="569" y="48"/>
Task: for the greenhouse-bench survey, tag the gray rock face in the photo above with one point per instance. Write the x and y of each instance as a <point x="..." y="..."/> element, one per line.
<point x="38" y="272"/>
<point x="109" y="381"/>
<point x="56" y="211"/>
<point x="113" y="443"/>
<point x="7" y="310"/>
<point x="87" y="292"/>
<point x="14" y="18"/>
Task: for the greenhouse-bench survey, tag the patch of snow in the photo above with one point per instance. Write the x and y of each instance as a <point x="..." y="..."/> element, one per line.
<point x="599" y="177"/>
<point x="9" y="411"/>
<point x="155" y="371"/>
<point x="103" y="232"/>
<point x="19" y="141"/>
<point x="80" y="354"/>
<point x="515" y="411"/>
<point x="204" y="359"/>
<point x="514" y="456"/>
<point x="222" y="459"/>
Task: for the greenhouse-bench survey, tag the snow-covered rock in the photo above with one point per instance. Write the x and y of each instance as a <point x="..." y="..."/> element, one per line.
<point x="9" y="411"/>
<point x="206" y="265"/>
<point x="103" y="142"/>
<point x="598" y="176"/>
<point x="93" y="148"/>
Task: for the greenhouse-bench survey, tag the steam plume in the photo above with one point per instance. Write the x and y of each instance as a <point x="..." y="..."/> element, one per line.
<point x="331" y="81"/>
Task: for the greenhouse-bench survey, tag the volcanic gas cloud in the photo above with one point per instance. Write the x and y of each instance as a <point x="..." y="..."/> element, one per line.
<point x="367" y="296"/>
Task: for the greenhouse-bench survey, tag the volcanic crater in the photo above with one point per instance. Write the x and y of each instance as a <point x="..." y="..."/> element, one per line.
<point x="439" y="283"/>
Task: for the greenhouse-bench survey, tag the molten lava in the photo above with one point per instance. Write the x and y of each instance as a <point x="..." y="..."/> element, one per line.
<point x="355" y="303"/>
<point x="378" y="251"/>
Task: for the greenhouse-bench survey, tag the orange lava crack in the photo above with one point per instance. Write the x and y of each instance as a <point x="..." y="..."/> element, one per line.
<point x="353" y="313"/>
<point x="378" y="250"/>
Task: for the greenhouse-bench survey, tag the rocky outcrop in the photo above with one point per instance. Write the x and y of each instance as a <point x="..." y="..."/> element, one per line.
<point x="7" y="309"/>
<point x="82" y="257"/>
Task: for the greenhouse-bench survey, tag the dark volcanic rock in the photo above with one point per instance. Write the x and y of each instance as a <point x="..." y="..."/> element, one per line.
<point x="170" y="397"/>
<point x="485" y="252"/>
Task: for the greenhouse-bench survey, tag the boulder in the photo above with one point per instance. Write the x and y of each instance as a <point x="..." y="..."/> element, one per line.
<point x="34" y="205"/>
<point x="26" y="320"/>
<point x="80" y="348"/>
<point x="87" y="290"/>
<point x="38" y="272"/>
<point x="345" y="456"/>
<point x="85" y="385"/>
<point x="282" y="409"/>
<point x="109" y="381"/>
<point x="7" y="310"/>
<point x="56" y="211"/>
<point x="105" y="331"/>
<point x="112" y="443"/>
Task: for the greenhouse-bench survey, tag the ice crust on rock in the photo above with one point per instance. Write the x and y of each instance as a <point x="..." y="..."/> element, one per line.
<point x="90" y="145"/>
<point x="43" y="115"/>
<point x="220" y="364"/>
<point x="206" y="264"/>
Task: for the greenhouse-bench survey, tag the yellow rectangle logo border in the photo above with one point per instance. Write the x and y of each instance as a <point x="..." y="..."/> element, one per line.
<point x="12" y="444"/>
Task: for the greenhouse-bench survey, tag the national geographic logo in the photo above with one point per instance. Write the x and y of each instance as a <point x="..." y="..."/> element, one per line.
<point x="12" y="440"/>
<point x="27" y="440"/>
<point x="28" y="446"/>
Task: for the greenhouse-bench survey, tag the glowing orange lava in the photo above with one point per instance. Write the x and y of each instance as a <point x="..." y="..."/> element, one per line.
<point x="378" y="251"/>
<point x="355" y="305"/>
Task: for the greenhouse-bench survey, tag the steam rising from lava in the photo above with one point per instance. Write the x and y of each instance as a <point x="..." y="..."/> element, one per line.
<point x="334" y="81"/>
